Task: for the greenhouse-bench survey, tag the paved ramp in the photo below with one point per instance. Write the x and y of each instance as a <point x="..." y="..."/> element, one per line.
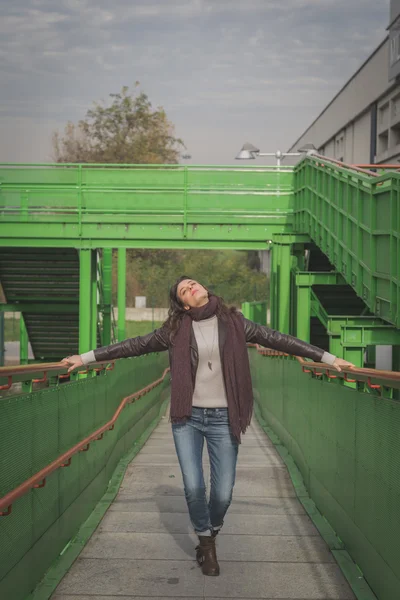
<point x="144" y="547"/>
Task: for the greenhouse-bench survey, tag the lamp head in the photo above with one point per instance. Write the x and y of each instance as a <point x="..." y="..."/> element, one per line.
<point x="247" y="152"/>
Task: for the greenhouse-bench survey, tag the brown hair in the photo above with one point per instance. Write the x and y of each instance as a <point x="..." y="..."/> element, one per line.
<point x="177" y="311"/>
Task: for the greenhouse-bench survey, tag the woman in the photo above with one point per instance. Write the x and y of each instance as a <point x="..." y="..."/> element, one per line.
<point x="211" y="394"/>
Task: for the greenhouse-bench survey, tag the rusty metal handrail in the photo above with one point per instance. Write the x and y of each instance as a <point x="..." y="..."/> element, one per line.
<point x="325" y="369"/>
<point x="33" y="368"/>
<point x="39" y="479"/>
<point x="358" y="168"/>
<point x="39" y="368"/>
<point x="18" y="370"/>
<point x="378" y="166"/>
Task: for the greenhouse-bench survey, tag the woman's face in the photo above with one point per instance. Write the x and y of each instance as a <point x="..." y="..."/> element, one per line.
<point x="191" y="294"/>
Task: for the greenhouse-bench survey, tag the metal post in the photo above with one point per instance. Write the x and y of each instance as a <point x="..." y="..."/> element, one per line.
<point x="355" y="356"/>
<point x="2" y="339"/>
<point x="335" y="346"/>
<point x="284" y="289"/>
<point x="121" y="293"/>
<point x="273" y="293"/>
<point x="107" y="295"/>
<point x="93" y="316"/>
<point x="246" y="310"/>
<point x="85" y="301"/>
<point x="396" y="358"/>
<point x="24" y="352"/>
<point x="23" y="342"/>
<point x="303" y="313"/>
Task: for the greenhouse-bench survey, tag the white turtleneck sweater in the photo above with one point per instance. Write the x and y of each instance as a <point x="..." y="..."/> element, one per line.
<point x="209" y="391"/>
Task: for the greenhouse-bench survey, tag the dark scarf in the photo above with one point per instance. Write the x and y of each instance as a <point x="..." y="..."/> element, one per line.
<point x="235" y="368"/>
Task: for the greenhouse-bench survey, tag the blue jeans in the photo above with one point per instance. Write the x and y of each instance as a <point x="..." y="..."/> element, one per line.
<point x="212" y="425"/>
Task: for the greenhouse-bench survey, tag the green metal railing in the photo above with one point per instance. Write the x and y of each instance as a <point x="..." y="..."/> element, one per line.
<point x="153" y="206"/>
<point x="354" y="218"/>
<point x="346" y="444"/>
<point x="255" y="311"/>
<point x="59" y="447"/>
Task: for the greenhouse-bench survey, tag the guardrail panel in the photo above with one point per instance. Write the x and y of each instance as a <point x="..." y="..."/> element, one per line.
<point x="353" y="217"/>
<point x="346" y="444"/>
<point x="37" y="429"/>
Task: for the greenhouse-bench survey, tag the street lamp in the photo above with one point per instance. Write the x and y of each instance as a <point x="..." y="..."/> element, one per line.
<point x="249" y="152"/>
<point x="308" y="148"/>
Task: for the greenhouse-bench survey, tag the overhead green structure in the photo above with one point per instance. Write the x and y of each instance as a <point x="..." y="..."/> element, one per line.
<point x="353" y="217"/>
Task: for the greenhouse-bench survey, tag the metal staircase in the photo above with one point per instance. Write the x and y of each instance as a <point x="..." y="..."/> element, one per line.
<point x="43" y="283"/>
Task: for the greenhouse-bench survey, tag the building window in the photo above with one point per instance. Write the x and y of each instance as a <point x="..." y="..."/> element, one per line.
<point x="396" y="108"/>
<point x="384" y="116"/>
<point x="395" y="135"/>
<point x="383" y="142"/>
<point x="339" y="148"/>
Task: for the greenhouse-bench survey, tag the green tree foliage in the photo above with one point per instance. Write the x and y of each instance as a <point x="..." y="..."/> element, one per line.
<point x="127" y="131"/>
<point x="150" y="273"/>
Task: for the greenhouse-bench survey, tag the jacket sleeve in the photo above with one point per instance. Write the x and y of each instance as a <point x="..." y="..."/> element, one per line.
<point x="270" y="338"/>
<point x="157" y="341"/>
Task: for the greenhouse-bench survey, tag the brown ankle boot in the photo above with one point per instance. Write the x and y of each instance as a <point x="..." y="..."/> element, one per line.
<point x="206" y="555"/>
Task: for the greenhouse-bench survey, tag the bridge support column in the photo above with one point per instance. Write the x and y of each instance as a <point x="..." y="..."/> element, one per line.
<point x="93" y="311"/>
<point x="303" y="317"/>
<point x="107" y="295"/>
<point x="23" y="342"/>
<point x="280" y="283"/>
<point x="24" y="352"/>
<point x="2" y="339"/>
<point x="121" y="293"/>
<point x="85" y="301"/>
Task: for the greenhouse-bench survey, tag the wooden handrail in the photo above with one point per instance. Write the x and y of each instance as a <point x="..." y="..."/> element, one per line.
<point x="388" y="376"/>
<point x="38" y="368"/>
<point x="64" y="460"/>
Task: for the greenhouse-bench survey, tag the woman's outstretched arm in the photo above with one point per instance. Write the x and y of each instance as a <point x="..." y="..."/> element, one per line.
<point x="271" y="338"/>
<point x="156" y="341"/>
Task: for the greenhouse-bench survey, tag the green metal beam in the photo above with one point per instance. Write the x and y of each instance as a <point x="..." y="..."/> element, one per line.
<point x="303" y="316"/>
<point x="172" y="244"/>
<point x="309" y="278"/>
<point x="107" y="295"/>
<point x="273" y="290"/>
<point x="282" y="314"/>
<point x="23" y="342"/>
<point x="24" y="352"/>
<point x="2" y="340"/>
<point x="255" y="311"/>
<point x="363" y="333"/>
<point x="290" y="238"/>
<point x="85" y="301"/>
<point x="93" y="315"/>
<point x="121" y="293"/>
<point x="307" y="301"/>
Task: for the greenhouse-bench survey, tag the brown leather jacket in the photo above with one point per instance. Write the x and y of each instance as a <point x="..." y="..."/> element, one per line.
<point x="158" y="341"/>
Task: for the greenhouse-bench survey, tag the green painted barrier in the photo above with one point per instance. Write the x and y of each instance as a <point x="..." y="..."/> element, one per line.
<point x="346" y="445"/>
<point x="37" y="428"/>
<point x="255" y="311"/>
<point x="354" y="218"/>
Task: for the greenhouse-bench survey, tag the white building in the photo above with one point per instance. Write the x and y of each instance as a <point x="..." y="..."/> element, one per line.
<point x="361" y="125"/>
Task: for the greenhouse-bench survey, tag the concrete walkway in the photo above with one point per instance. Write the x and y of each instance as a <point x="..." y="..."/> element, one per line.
<point x="144" y="547"/>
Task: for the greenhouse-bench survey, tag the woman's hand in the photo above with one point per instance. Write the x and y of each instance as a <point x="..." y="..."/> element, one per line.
<point x="73" y="362"/>
<point x="339" y="362"/>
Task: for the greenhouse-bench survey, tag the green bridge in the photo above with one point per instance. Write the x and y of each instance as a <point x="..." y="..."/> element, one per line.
<point x="321" y="463"/>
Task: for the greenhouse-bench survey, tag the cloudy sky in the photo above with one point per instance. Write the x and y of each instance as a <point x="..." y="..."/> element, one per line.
<point x="226" y="71"/>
